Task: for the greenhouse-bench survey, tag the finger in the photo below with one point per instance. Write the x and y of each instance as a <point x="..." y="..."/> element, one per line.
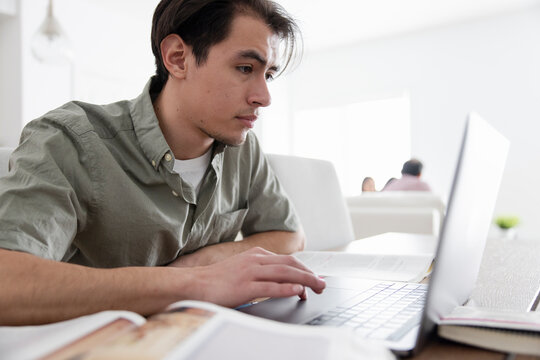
<point x="303" y="295"/>
<point x="275" y="290"/>
<point x="288" y="274"/>
<point x="286" y="260"/>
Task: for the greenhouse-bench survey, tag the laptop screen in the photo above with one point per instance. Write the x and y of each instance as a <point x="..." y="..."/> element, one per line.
<point x="471" y="203"/>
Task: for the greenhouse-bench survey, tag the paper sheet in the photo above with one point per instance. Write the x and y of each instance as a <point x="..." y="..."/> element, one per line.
<point x="411" y="268"/>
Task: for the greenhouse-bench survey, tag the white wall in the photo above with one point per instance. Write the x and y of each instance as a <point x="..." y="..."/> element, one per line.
<point x="112" y="54"/>
<point x="491" y="66"/>
<point x="10" y="74"/>
<point x="112" y="58"/>
<point x="8" y="7"/>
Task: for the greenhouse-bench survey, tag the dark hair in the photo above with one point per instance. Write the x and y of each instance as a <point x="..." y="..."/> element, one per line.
<point x="412" y="167"/>
<point x="203" y="23"/>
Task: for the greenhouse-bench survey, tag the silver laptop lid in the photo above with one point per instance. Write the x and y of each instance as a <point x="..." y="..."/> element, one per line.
<point x="471" y="203"/>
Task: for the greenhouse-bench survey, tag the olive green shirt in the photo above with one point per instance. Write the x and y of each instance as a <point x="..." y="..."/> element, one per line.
<point x="94" y="185"/>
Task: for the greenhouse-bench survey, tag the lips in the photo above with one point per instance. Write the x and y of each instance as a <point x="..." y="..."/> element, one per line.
<point x="248" y="120"/>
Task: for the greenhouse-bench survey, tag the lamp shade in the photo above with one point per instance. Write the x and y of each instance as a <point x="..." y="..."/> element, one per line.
<point x="50" y="44"/>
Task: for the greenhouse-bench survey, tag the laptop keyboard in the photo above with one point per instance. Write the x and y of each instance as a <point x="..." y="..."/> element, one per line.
<point x="386" y="311"/>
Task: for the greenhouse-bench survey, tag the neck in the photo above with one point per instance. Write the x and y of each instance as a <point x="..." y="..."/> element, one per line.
<point x="185" y="140"/>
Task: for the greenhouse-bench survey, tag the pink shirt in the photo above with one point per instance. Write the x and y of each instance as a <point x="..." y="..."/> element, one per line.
<point x="407" y="183"/>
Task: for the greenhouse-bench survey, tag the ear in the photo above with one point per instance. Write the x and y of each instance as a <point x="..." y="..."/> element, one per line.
<point x="174" y="52"/>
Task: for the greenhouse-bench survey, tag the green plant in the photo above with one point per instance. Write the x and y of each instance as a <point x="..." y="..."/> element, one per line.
<point x="506" y="222"/>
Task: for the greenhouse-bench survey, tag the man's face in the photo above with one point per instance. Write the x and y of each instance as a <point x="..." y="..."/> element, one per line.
<point x="226" y="91"/>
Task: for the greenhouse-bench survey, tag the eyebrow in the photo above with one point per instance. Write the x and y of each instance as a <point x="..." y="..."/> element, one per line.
<point x="252" y="54"/>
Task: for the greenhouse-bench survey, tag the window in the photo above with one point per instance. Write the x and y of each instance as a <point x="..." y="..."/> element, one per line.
<point x="370" y="138"/>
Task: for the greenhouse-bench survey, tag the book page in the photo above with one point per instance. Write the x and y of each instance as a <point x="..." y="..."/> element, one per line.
<point x="229" y="337"/>
<point x="235" y="335"/>
<point x="503" y="340"/>
<point x="195" y="330"/>
<point x="477" y="316"/>
<point x="411" y="268"/>
<point x="154" y="340"/>
<point x="31" y="342"/>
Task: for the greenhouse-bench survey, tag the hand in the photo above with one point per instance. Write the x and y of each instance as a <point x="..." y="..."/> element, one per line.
<point x="253" y="274"/>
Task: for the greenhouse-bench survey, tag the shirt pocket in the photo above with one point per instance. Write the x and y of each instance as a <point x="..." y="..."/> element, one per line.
<point x="227" y="226"/>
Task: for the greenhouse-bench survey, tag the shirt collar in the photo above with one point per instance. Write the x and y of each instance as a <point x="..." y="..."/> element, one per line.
<point x="151" y="137"/>
<point x="147" y="128"/>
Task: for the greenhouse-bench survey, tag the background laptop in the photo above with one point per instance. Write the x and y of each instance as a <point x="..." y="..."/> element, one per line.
<point x="403" y="315"/>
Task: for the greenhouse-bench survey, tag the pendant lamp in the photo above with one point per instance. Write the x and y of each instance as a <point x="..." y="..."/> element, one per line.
<point x="50" y="44"/>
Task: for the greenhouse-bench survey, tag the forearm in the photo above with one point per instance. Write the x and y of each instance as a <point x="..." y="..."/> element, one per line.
<point x="278" y="242"/>
<point x="36" y="290"/>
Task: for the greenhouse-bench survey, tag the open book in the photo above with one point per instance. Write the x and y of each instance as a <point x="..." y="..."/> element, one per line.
<point x="185" y="330"/>
<point x="409" y="268"/>
<point x="507" y="331"/>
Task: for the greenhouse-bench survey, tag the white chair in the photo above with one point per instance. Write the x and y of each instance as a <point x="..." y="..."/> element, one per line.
<point x="4" y="159"/>
<point x="313" y="187"/>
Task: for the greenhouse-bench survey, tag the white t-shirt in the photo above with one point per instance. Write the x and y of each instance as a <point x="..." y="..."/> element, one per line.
<point x="193" y="170"/>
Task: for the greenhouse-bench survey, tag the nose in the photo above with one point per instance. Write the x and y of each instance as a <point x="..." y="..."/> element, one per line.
<point x="259" y="95"/>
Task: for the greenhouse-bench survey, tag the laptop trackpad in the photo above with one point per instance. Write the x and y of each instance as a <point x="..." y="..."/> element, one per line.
<point x="295" y="311"/>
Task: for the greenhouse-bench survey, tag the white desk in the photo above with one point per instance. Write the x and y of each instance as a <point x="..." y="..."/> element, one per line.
<point x="509" y="278"/>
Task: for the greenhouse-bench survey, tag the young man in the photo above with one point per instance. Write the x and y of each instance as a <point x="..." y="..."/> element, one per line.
<point x="135" y="205"/>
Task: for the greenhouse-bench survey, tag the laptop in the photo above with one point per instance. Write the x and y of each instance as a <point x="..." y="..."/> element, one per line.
<point x="401" y="315"/>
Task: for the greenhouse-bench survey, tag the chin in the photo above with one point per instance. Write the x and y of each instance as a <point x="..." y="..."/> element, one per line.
<point x="232" y="140"/>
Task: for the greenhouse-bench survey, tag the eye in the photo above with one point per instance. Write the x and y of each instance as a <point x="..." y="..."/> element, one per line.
<point x="245" y="69"/>
<point x="269" y="76"/>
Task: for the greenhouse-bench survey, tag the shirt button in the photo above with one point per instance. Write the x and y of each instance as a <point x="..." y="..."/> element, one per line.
<point x="168" y="157"/>
<point x="175" y="193"/>
<point x="153" y="163"/>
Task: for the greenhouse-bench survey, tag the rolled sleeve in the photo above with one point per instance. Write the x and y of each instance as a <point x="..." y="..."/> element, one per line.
<point x="42" y="203"/>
